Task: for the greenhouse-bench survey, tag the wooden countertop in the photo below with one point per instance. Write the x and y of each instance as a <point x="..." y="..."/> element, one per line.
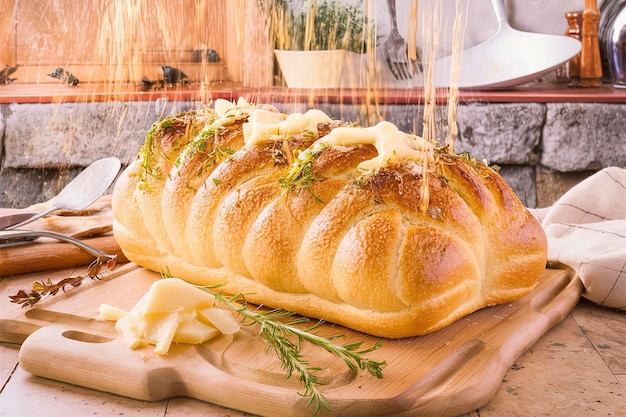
<point x="98" y="92"/>
<point x="577" y="368"/>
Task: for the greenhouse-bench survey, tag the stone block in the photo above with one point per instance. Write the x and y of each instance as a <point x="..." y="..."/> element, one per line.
<point x="24" y="187"/>
<point x="584" y="136"/>
<point x="410" y="119"/>
<point x="76" y="134"/>
<point x="521" y="178"/>
<point x="551" y="185"/>
<point x="506" y="133"/>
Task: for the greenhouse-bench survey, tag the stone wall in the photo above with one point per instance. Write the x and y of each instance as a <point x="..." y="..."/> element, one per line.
<point x="46" y="145"/>
<point x="542" y="149"/>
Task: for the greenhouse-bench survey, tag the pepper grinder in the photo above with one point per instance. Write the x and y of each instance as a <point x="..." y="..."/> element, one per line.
<point x="590" y="63"/>
<point x="570" y="71"/>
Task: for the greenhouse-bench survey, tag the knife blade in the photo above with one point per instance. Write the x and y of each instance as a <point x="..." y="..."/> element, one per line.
<point x="11" y="219"/>
<point x="15" y="218"/>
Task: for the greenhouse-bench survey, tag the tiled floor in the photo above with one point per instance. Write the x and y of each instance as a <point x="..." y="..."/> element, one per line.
<point x="578" y="368"/>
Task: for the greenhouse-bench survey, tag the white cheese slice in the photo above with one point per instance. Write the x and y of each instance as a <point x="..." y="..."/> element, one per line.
<point x="110" y="313"/>
<point x="161" y="331"/>
<point x="131" y="328"/>
<point x="172" y="311"/>
<point x="223" y="107"/>
<point x="195" y="332"/>
<point x="221" y="319"/>
<point x="267" y="126"/>
<point x="392" y="144"/>
<point x="173" y="294"/>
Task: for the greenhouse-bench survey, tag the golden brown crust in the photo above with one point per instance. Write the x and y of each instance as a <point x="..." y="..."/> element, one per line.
<point x="364" y="251"/>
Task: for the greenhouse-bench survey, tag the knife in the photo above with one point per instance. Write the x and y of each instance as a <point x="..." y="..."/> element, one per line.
<point x="15" y="218"/>
<point x="11" y="219"/>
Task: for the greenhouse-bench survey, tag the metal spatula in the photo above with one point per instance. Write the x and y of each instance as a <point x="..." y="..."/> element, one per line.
<point x="83" y="190"/>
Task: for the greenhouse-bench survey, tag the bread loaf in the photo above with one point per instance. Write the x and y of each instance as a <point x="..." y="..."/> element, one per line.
<point x="370" y="228"/>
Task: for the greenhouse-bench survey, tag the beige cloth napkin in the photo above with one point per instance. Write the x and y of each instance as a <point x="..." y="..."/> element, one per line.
<point x="92" y="221"/>
<point x="586" y="230"/>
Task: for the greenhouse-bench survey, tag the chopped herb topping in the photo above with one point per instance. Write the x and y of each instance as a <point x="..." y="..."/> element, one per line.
<point x="182" y="127"/>
<point x="148" y="156"/>
<point x="301" y="173"/>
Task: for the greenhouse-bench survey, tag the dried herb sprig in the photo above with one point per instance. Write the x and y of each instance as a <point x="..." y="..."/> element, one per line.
<point x="47" y="287"/>
<point x="279" y="329"/>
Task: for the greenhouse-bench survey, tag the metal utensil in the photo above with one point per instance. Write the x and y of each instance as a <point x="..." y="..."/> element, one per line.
<point x="15" y="218"/>
<point x="83" y="190"/>
<point x="509" y="58"/>
<point x="17" y="235"/>
<point x="395" y="50"/>
<point x="12" y="219"/>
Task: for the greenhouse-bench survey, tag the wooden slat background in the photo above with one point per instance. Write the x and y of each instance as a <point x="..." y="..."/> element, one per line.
<point x="117" y="40"/>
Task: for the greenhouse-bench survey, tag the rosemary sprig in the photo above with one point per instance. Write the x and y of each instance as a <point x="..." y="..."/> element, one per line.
<point x="278" y="328"/>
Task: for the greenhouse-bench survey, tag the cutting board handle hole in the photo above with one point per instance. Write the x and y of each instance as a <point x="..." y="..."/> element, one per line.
<point x="85" y="337"/>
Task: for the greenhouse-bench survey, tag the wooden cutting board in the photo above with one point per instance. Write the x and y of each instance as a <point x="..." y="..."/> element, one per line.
<point x="47" y="254"/>
<point x="447" y="373"/>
